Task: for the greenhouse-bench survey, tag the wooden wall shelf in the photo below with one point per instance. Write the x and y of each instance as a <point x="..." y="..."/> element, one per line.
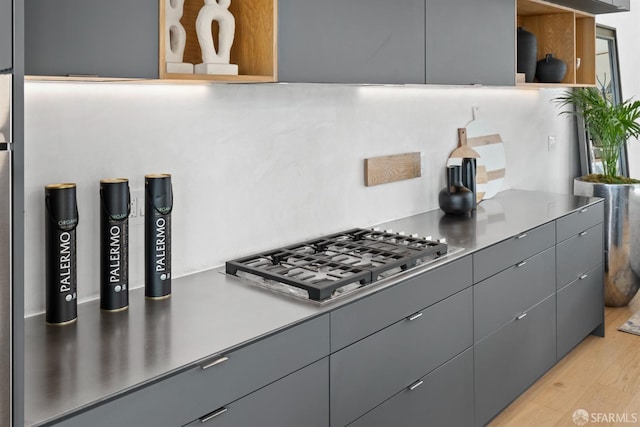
<point x="567" y="33"/>
<point x="254" y="48"/>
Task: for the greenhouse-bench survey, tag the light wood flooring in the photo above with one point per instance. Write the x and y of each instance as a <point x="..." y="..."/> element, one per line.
<point x="601" y="375"/>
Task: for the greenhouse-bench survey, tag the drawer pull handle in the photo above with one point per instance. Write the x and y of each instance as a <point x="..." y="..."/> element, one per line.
<point x="215" y="362"/>
<point x="583" y="210"/>
<point x="584" y="233"/>
<point x="520" y="264"/>
<point x="416" y="385"/>
<point x="414" y="317"/>
<point x="212" y="415"/>
<point x="522" y="236"/>
<point x="584" y="276"/>
<point x="522" y="316"/>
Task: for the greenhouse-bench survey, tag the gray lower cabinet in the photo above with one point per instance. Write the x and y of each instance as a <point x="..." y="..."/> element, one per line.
<point x="434" y="349"/>
<point x="299" y="399"/>
<point x="580" y="310"/>
<point x="116" y="38"/>
<point x="576" y="222"/>
<point x="508" y="361"/>
<point x="470" y="42"/>
<point x="369" y="315"/>
<point x="501" y="298"/>
<point x="213" y="383"/>
<point x="578" y="254"/>
<point x="492" y="260"/>
<point x="6" y="35"/>
<point x="370" y="371"/>
<point x="351" y="41"/>
<point x="442" y="398"/>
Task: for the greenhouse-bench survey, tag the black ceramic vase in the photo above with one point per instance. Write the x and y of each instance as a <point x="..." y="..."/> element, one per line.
<point x="550" y="69"/>
<point x="527" y="54"/>
<point x="469" y="177"/>
<point x="455" y="198"/>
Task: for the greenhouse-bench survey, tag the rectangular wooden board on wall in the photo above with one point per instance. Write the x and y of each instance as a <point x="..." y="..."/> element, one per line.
<point x="381" y="170"/>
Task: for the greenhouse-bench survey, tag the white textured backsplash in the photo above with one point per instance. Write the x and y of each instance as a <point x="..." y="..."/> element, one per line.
<point x="258" y="166"/>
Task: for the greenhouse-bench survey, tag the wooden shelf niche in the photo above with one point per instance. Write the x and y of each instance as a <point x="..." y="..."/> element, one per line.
<point x="566" y="33"/>
<point x="254" y="47"/>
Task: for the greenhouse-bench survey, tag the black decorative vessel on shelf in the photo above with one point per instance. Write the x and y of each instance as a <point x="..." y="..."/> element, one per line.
<point x="550" y="69"/>
<point x="527" y="54"/>
<point x="455" y="199"/>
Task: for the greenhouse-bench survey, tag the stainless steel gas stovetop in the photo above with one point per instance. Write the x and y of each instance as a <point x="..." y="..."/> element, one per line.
<point x="328" y="267"/>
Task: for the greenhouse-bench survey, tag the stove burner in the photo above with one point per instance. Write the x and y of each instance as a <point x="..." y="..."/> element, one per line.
<point x="332" y="264"/>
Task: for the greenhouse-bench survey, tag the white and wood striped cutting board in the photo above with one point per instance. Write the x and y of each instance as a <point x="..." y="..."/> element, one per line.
<point x="483" y="137"/>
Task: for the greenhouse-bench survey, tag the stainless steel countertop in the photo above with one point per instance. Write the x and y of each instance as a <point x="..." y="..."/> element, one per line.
<point x="209" y="313"/>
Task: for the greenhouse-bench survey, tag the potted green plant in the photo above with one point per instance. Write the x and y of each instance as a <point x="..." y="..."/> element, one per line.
<point x="610" y="125"/>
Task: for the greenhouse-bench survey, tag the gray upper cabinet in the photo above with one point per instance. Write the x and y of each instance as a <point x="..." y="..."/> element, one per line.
<point x="470" y="42"/>
<point x="409" y="41"/>
<point x="597" y="6"/>
<point x="6" y="35"/>
<point x="117" y="38"/>
<point x="351" y="41"/>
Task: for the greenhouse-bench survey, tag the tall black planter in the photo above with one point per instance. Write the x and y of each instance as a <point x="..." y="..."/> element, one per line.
<point x="527" y="54"/>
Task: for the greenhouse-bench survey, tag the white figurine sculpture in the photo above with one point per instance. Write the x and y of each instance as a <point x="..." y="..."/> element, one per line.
<point x="176" y="38"/>
<point x="216" y="62"/>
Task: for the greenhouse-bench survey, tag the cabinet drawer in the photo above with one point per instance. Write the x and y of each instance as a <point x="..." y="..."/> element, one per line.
<point x="445" y="398"/>
<point x="496" y="258"/>
<point x="574" y="223"/>
<point x="300" y="399"/>
<point x="511" y="359"/>
<point x="579" y="253"/>
<point x="372" y="370"/>
<point x="179" y="399"/>
<point x="368" y="315"/>
<point x="580" y="309"/>
<point x="500" y="298"/>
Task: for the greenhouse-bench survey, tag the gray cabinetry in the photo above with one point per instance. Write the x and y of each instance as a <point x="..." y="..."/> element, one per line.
<point x="597" y="6"/>
<point x="576" y="222"/>
<point x="580" y="310"/>
<point x="442" y="398"/>
<point x="117" y="38"/>
<point x="6" y="34"/>
<point x="406" y="41"/>
<point x="368" y="315"/>
<point x="214" y="383"/>
<point x="580" y="276"/>
<point x="351" y="41"/>
<point x="512" y="358"/>
<point x="530" y="314"/>
<point x="578" y="254"/>
<point x="622" y="5"/>
<point x="453" y="345"/>
<point x="300" y="399"/>
<point x="372" y="370"/>
<point x="470" y="42"/>
<point x="501" y="298"/>
<point x="514" y="297"/>
<point x="496" y="258"/>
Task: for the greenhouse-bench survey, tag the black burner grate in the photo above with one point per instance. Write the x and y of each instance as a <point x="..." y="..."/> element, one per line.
<point x="322" y="266"/>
